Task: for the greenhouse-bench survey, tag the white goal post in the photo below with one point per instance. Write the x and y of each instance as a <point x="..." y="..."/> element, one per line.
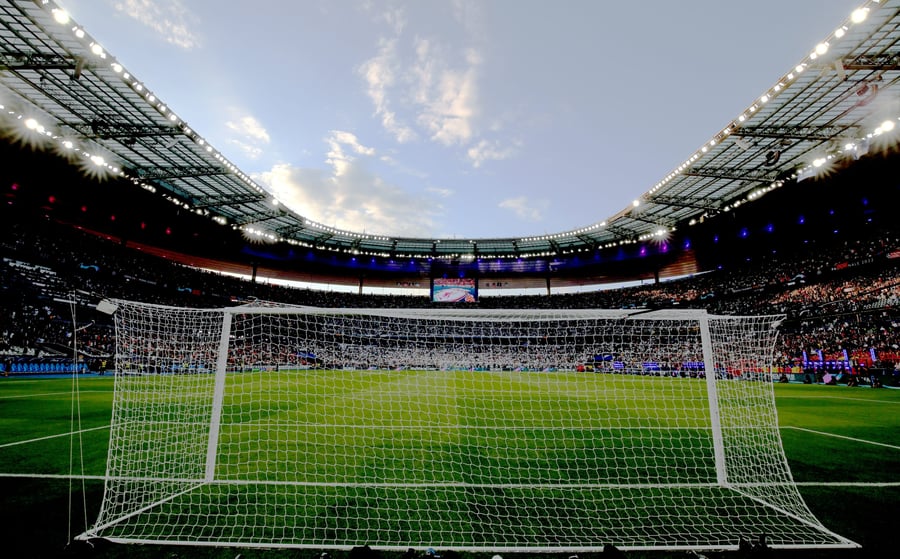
<point x="450" y="428"/>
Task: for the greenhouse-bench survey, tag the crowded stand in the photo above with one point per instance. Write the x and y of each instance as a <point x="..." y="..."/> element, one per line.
<point x="840" y="307"/>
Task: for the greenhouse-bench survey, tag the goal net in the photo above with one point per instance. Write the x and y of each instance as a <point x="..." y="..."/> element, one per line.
<point x="447" y="428"/>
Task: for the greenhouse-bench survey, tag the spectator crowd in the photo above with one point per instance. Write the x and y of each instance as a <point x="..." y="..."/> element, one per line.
<point x="841" y="305"/>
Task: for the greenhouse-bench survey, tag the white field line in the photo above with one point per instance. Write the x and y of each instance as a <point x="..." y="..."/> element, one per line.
<point x="52" y="476"/>
<point x="848" y="483"/>
<point x="67" y="393"/>
<point x="854" y="439"/>
<point x="449" y="427"/>
<point x="862" y="484"/>
<point x="54" y="436"/>
<point x="851" y="398"/>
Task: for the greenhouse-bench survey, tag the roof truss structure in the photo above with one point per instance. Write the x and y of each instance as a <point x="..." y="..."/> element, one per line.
<point x="58" y="83"/>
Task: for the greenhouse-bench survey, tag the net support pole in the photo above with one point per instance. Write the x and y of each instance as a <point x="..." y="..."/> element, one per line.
<point x="218" y="398"/>
<point x="712" y="395"/>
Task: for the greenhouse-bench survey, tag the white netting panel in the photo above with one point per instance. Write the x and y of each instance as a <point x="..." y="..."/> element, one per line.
<point x="455" y="429"/>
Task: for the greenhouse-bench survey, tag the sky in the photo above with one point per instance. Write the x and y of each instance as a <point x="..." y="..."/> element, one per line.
<point x="458" y="118"/>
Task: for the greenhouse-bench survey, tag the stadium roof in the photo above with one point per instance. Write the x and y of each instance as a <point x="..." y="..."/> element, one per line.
<point x="60" y="88"/>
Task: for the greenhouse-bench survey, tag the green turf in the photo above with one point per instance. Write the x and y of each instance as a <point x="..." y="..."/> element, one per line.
<point x="34" y="512"/>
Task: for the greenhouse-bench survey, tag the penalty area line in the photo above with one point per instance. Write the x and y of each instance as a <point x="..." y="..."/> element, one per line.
<point x="52" y="476"/>
<point x="54" y="436"/>
<point x="43" y="394"/>
<point x="847" y="483"/>
<point x="854" y="439"/>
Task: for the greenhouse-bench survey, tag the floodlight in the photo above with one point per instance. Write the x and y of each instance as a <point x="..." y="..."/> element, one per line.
<point x="61" y="16"/>
<point x="859" y="15"/>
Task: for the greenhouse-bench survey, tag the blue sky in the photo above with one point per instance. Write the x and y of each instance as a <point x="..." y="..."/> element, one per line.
<point x="458" y="118"/>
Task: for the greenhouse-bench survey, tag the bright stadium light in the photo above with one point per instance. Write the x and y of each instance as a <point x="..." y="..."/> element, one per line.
<point x="859" y="15"/>
<point x="61" y="16"/>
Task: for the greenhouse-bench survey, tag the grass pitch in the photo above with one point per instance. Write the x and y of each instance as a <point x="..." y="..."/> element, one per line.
<point x="843" y="446"/>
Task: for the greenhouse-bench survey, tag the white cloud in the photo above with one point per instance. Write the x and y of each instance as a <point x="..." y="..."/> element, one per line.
<point x="449" y="98"/>
<point x="395" y="18"/>
<point x="442" y="192"/>
<point x="337" y="157"/>
<point x="349" y="139"/>
<point x="248" y="134"/>
<point x="251" y="151"/>
<point x="347" y="194"/>
<point x="525" y="208"/>
<point x="169" y="18"/>
<point x="436" y="88"/>
<point x="379" y="74"/>
<point x="488" y="151"/>
<point x="249" y="127"/>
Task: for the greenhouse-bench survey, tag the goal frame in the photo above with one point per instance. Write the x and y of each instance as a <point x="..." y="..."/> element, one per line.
<point x="711" y="381"/>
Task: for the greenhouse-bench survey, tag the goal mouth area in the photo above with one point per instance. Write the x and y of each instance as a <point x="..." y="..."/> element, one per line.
<point x="466" y="517"/>
<point x="516" y="430"/>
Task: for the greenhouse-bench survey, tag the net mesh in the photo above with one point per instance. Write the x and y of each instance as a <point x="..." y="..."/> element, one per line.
<point x="447" y="428"/>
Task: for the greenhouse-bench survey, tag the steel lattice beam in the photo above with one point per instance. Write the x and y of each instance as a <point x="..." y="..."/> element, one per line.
<point x="101" y="129"/>
<point x="254" y="218"/>
<point x="229" y="201"/>
<point x="732" y="173"/>
<point x="179" y="171"/>
<point x="553" y="245"/>
<point x="657" y="222"/>
<point x="586" y="239"/>
<point x="291" y="229"/>
<point x="813" y="133"/>
<point x="875" y="62"/>
<point x="621" y="232"/>
<point x="693" y="203"/>
<point x="18" y="61"/>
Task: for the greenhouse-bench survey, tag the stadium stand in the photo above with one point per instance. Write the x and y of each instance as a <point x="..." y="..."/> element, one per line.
<point x="839" y="316"/>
